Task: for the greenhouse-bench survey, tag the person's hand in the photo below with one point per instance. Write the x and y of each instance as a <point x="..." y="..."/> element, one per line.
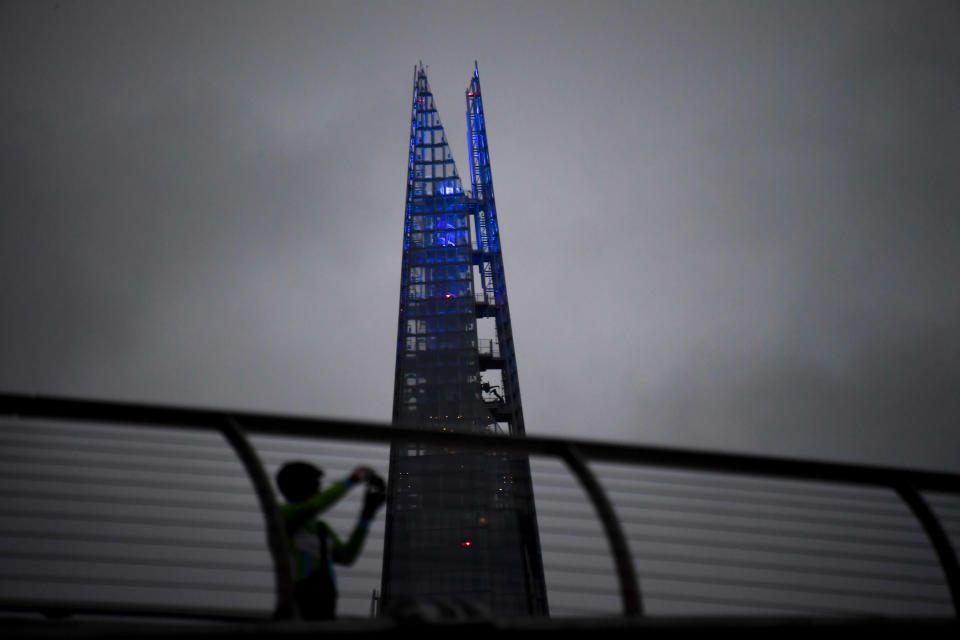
<point x="361" y="474"/>
<point x="374" y="496"/>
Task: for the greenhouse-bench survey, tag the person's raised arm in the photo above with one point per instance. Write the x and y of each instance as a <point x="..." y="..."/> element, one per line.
<point x="347" y="553"/>
<point x="298" y="512"/>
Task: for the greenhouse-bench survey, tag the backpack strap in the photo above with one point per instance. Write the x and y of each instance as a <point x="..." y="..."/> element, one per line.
<point x="324" y="546"/>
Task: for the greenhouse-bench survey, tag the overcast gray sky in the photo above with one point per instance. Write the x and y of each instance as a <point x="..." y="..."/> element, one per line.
<point x="726" y="225"/>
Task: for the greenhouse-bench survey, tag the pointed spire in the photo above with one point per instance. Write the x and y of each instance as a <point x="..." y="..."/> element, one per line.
<point x="432" y="168"/>
<point x="478" y="154"/>
<point x="473" y="90"/>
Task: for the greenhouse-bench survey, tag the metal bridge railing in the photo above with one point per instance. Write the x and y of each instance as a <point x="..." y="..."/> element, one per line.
<point x="662" y="516"/>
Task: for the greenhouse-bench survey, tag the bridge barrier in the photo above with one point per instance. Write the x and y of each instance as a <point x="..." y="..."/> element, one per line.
<point x="116" y="508"/>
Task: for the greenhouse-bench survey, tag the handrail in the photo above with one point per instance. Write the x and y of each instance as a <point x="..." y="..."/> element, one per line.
<point x="38" y="406"/>
<point x="938" y="539"/>
<point x="284" y="608"/>
<point x="907" y="483"/>
<point x="629" y="589"/>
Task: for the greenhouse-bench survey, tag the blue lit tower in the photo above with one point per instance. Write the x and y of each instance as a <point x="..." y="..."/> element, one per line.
<point x="459" y="524"/>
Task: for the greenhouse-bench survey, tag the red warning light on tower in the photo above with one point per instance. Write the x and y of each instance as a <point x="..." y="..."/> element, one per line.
<point x="466" y="543"/>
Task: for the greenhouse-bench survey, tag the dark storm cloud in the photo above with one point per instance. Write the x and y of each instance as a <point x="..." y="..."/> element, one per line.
<point x="154" y="215"/>
<point x="728" y="225"/>
<point x="788" y="258"/>
<point x="169" y="241"/>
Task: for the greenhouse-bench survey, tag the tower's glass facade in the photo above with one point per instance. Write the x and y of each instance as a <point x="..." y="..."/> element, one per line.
<point x="460" y="525"/>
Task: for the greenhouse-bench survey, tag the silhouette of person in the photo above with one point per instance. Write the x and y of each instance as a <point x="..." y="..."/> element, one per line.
<point x="488" y="388"/>
<point x="314" y="545"/>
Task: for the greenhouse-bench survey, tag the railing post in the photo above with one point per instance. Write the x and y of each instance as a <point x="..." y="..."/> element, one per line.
<point x="938" y="538"/>
<point x="629" y="588"/>
<point x="276" y="536"/>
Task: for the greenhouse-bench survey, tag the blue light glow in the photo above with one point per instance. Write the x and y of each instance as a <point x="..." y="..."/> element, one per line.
<point x="446" y="239"/>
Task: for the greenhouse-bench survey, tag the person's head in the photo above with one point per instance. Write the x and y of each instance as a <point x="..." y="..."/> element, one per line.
<point x="298" y="480"/>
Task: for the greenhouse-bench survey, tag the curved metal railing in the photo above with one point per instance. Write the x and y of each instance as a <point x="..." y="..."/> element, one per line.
<point x="909" y="485"/>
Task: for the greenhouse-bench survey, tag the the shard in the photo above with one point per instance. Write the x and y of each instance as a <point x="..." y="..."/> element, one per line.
<point x="461" y="526"/>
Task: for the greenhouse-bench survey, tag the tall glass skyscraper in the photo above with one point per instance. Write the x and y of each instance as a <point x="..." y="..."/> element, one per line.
<point x="460" y="525"/>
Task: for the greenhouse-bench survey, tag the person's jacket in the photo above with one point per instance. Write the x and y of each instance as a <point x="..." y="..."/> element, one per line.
<point x="306" y="534"/>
